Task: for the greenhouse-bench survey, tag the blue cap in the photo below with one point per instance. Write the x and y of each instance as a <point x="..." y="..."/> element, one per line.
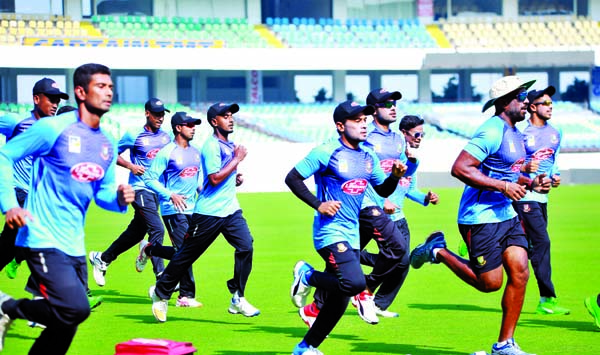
<point x="349" y="109"/>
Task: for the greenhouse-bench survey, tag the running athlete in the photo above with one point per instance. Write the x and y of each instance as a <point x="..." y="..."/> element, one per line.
<point x="217" y="211"/>
<point x="74" y="162"/>
<point x="542" y="144"/>
<point x="343" y="168"/>
<point x="46" y="97"/>
<point x="490" y="166"/>
<point x="173" y="176"/>
<point x="143" y="146"/>
<point x="412" y="128"/>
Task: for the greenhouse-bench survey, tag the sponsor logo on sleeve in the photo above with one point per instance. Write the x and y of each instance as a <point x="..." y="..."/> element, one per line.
<point x="87" y="172"/>
<point x="355" y="186"/>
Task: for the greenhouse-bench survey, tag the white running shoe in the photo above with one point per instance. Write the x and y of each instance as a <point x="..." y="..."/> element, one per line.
<point x="385" y="313"/>
<point x="510" y="348"/>
<point x="5" y="320"/>
<point x="187" y="302"/>
<point x="142" y="258"/>
<point x="99" y="267"/>
<point x="159" y="306"/>
<point x="366" y="307"/>
<point x="239" y="305"/>
<point x="300" y="290"/>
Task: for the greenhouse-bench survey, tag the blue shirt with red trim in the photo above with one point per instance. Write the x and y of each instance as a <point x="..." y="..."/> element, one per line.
<point x="341" y="174"/>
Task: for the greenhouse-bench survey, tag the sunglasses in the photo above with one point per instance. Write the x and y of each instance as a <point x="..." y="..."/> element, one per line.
<point x="189" y="125"/>
<point x="522" y="96"/>
<point x="544" y="103"/>
<point x="387" y="104"/>
<point x="416" y="135"/>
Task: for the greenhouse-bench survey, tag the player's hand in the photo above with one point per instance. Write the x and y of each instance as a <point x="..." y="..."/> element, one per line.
<point x="329" y="208"/>
<point x="541" y="184"/>
<point x="125" y="194"/>
<point x="531" y="167"/>
<point x="513" y="190"/>
<point x="389" y="207"/>
<point x="179" y="202"/>
<point x="555" y="180"/>
<point x="239" y="179"/>
<point x="17" y="217"/>
<point x="239" y="152"/>
<point x="398" y="169"/>
<point x="432" y="198"/>
<point x="137" y="169"/>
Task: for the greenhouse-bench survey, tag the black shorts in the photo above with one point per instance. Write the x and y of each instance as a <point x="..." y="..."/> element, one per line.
<point x="487" y="242"/>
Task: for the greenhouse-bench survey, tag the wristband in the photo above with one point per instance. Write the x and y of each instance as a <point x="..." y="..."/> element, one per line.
<point x="506" y="187"/>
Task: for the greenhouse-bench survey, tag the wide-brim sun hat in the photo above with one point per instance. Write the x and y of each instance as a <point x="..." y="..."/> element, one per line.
<point x="505" y="86"/>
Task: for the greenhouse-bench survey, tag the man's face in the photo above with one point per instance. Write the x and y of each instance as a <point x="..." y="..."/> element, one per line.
<point x="517" y="107"/>
<point x="355" y="128"/>
<point x="45" y="105"/>
<point x="154" y="120"/>
<point x="224" y="123"/>
<point x="386" y="112"/>
<point x="187" y="131"/>
<point x="414" y="136"/>
<point x="99" y="94"/>
<point x="542" y="106"/>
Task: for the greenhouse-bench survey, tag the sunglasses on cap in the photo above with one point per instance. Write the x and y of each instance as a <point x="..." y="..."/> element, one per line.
<point x="189" y="124"/>
<point x="416" y="135"/>
<point x="544" y="103"/>
<point x="522" y="96"/>
<point x="387" y="104"/>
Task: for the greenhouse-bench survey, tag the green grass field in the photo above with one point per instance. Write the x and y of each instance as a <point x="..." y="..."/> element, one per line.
<point x="438" y="313"/>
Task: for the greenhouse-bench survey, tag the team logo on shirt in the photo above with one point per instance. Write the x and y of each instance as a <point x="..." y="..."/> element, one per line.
<point x="104" y="152"/>
<point x="516" y="167"/>
<point x="188" y="172"/>
<point x="87" y="172"/>
<point x="355" y="186"/>
<point x="74" y="144"/>
<point x="377" y="147"/>
<point x="530" y="141"/>
<point x="341" y="248"/>
<point x="553" y="139"/>
<point x="343" y="166"/>
<point x="386" y="165"/>
<point x="511" y="146"/>
<point x="543" y="154"/>
<point x="481" y="260"/>
<point x="368" y="166"/>
<point x="152" y="154"/>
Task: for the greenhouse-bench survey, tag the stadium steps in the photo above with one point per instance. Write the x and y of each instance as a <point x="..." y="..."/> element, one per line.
<point x="436" y="33"/>
<point x="268" y="36"/>
<point x="91" y="30"/>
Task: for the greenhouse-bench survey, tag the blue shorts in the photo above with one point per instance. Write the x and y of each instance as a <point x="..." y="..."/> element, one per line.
<point x="487" y="242"/>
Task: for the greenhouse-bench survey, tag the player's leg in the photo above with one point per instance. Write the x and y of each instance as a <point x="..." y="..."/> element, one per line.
<point x="342" y="279"/>
<point x="177" y="226"/>
<point x="238" y="235"/>
<point x="64" y="305"/>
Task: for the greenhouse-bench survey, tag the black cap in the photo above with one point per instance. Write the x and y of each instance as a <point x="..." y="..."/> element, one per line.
<point x="350" y="108"/>
<point x="155" y="105"/>
<point x="219" y="109"/>
<point x="180" y="118"/>
<point x="48" y="86"/>
<point x="536" y="94"/>
<point x="382" y="95"/>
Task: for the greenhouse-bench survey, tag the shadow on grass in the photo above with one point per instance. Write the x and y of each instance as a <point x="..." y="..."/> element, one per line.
<point x="112" y="296"/>
<point x="454" y="307"/>
<point x="296" y="332"/>
<point x="386" y="348"/>
<point x="555" y="322"/>
<point x="149" y="318"/>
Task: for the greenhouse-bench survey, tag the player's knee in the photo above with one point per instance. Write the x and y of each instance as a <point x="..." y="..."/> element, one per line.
<point x="75" y="314"/>
<point x="354" y="286"/>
